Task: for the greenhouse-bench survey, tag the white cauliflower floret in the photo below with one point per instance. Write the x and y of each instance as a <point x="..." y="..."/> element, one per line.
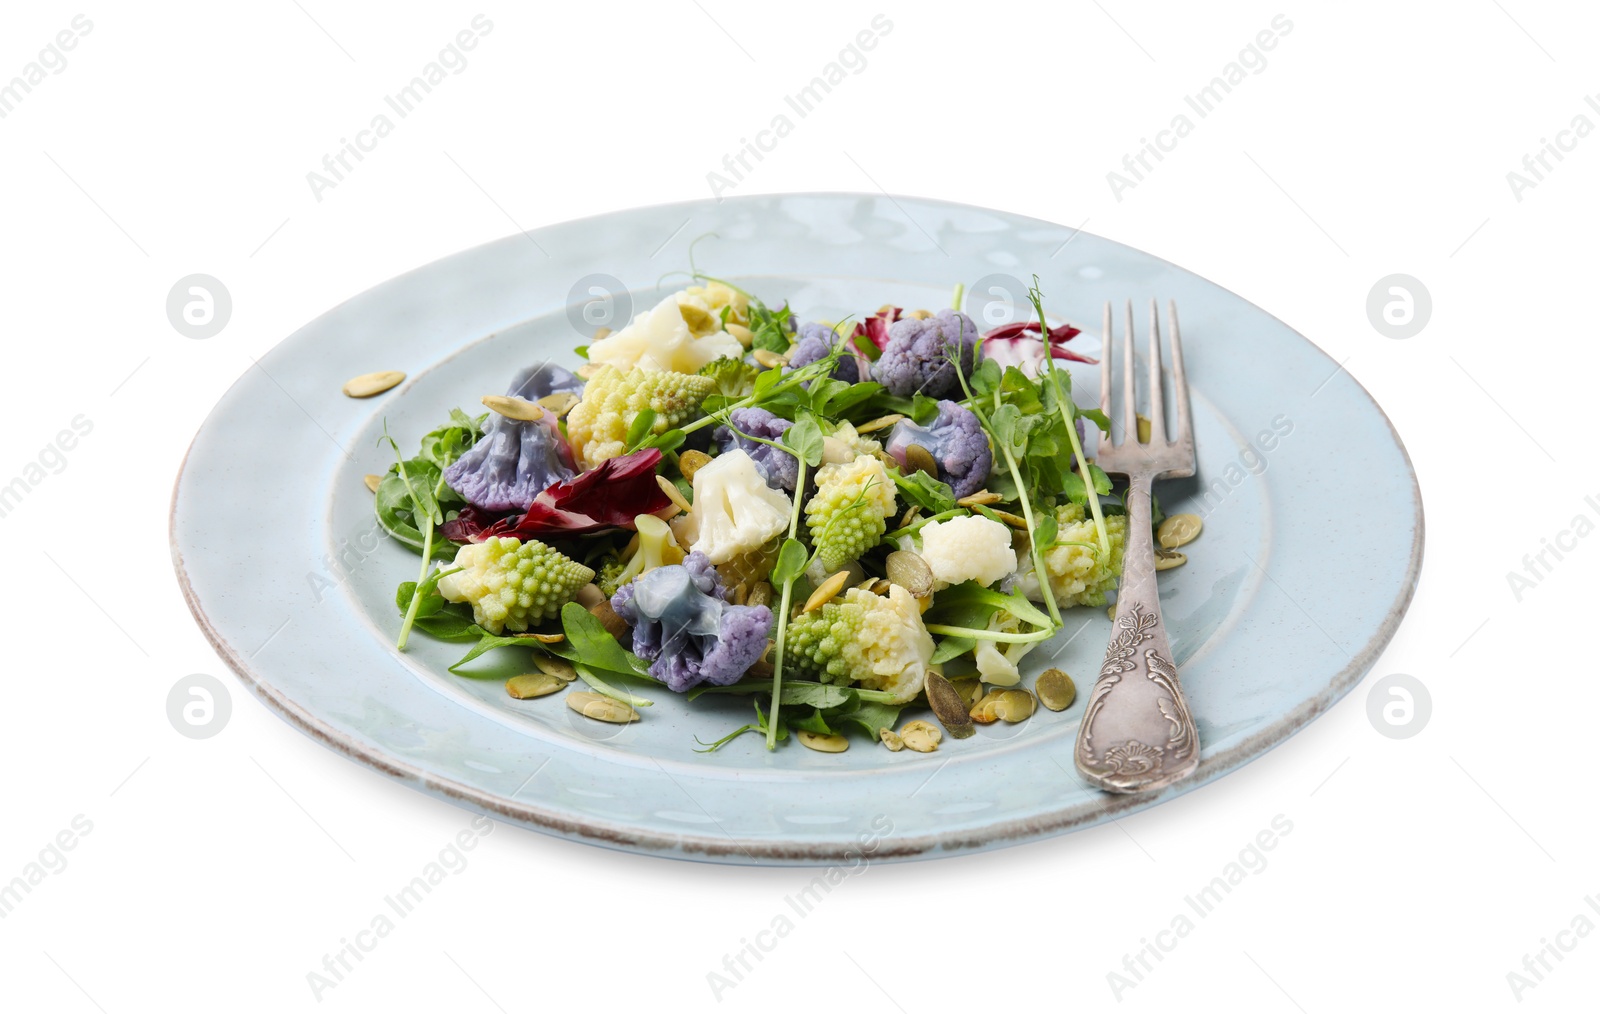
<point x="997" y="665"/>
<point x="735" y="512"/>
<point x="661" y="339"/>
<point x="972" y="548"/>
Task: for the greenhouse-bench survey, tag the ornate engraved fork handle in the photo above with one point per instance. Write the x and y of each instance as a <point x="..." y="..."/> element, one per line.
<point x="1137" y="733"/>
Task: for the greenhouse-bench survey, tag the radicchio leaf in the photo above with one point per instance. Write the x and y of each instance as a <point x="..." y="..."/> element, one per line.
<point x="876" y="327"/>
<point x="608" y="496"/>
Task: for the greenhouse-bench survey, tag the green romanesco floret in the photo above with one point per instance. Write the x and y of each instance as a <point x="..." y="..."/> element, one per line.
<point x="512" y="585"/>
<point x="875" y="641"/>
<point x="849" y="512"/>
<point x="734" y="378"/>
<point x="597" y="426"/>
<point x="1079" y="575"/>
<point x="609" y="574"/>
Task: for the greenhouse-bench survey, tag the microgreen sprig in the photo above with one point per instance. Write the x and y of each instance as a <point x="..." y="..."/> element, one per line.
<point x="1068" y="409"/>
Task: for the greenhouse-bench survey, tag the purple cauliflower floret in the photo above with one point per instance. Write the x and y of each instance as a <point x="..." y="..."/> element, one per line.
<point x="815" y="342"/>
<point x="684" y="626"/>
<point x="514" y="461"/>
<point x="957" y="442"/>
<point x="916" y="358"/>
<point x="779" y="468"/>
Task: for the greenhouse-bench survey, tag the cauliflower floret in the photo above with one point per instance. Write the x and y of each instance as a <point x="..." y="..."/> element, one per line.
<point x="735" y="512"/>
<point x="997" y="665"/>
<point x="597" y="426"/>
<point x="957" y="443"/>
<point x="683" y="625"/>
<point x="1078" y="575"/>
<point x="875" y="641"/>
<point x="972" y="548"/>
<point x="777" y="466"/>
<point x="917" y="357"/>
<point x="512" y="585"/>
<point x="816" y="341"/>
<point x="850" y="510"/>
<point x="661" y="339"/>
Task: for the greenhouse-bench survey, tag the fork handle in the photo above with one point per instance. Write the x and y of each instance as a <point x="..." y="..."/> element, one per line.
<point x="1137" y="733"/>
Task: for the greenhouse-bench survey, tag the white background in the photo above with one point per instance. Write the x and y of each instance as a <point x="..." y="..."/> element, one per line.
<point x="1377" y="140"/>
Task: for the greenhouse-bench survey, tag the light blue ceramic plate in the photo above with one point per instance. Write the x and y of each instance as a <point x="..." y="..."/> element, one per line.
<point x="1299" y="580"/>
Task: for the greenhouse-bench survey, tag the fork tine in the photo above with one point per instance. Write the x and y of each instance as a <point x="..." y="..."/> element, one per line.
<point x="1107" y="340"/>
<point x="1130" y="397"/>
<point x="1180" y="382"/>
<point x="1158" y="418"/>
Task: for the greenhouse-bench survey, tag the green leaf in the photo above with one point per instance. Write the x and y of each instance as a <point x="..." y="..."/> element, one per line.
<point x="805" y="437"/>
<point x="924" y="409"/>
<point x="925" y="491"/>
<point x="853" y="395"/>
<point x="1044" y="533"/>
<point x="582" y="351"/>
<point x="668" y="442"/>
<point x="766" y="380"/>
<point x="487" y="643"/>
<point x="866" y="347"/>
<point x="1097" y="417"/>
<point x="641" y="427"/>
<point x="813" y="722"/>
<point x="871" y="716"/>
<point x="795" y="692"/>
<point x="450" y="625"/>
<point x="952" y="647"/>
<point x="590" y="643"/>
<point x="792" y="559"/>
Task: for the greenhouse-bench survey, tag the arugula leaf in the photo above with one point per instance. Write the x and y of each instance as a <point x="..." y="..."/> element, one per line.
<point x="450" y="625"/>
<point x="924" y="409"/>
<point x="813" y="722"/>
<point x="590" y="643"/>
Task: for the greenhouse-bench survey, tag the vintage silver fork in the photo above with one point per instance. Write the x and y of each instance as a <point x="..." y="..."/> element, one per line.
<point x="1137" y="734"/>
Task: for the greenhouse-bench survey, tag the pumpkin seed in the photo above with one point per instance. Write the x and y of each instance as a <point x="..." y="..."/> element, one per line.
<point x="769" y="360"/>
<point x="511" y="407"/>
<point x="891" y="739"/>
<point x="1011" y="519"/>
<point x="588" y="370"/>
<point x="760" y="594"/>
<point x="369" y="384"/>
<point x="920" y="314"/>
<point x="1055" y="689"/>
<point x="673" y="493"/>
<point x="601" y="333"/>
<point x="910" y="515"/>
<point x="1166" y="559"/>
<point x="533" y="684"/>
<point x="983" y="710"/>
<point x="615" y="625"/>
<point x="834" y="743"/>
<point x="826" y="591"/>
<point x="691" y="461"/>
<point x="910" y="571"/>
<point x="883" y="422"/>
<point x="1143" y="429"/>
<point x="1178" y="530"/>
<point x="969" y="687"/>
<point x="919" y="460"/>
<point x="372" y="481"/>
<point x="550" y="638"/>
<point x="1111" y="613"/>
<point x="982" y="498"/>
<point x="923" y="737"/>
<point x="1014" y="705"/>
<point x="560" y="403"/>
<point x="740" y="332"/>
<point x="948" y="708"/>
<point x="552" y="665"/>
<point x="601" y="709"/>
<point x="699" y="321"/>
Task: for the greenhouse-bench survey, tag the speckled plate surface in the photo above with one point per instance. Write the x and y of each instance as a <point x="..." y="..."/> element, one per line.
<point x="1289" y="596"/>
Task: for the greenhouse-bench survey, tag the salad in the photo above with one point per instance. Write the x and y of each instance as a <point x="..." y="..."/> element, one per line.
<point x="844" y="523"/>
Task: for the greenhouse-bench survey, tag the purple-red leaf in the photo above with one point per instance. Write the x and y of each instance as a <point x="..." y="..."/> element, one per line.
<point x="608" y="496"/>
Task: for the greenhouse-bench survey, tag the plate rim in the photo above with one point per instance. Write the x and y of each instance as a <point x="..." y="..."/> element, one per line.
<point x="692" y="846"/>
